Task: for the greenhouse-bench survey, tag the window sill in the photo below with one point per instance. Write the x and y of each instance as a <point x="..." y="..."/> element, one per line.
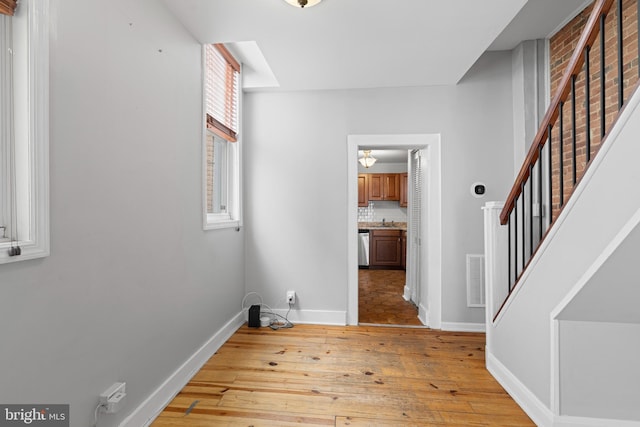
<point x="217" y="222"/>
<point x="28" y="251"/>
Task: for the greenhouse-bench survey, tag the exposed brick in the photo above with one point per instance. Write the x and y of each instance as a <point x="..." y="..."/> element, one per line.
<point x="561" y="47"/>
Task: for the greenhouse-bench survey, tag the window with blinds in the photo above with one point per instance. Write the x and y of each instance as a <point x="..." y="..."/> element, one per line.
<point x="222" y="80"/>
<point x="221" y="87"/>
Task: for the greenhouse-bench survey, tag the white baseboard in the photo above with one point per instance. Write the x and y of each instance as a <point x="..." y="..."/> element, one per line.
<point x="423" y="315"/>
<point x="407" y="294"/>
<point x="144" y="414"/>
<point x="529" y="402"/>
<point x="538" y="411"/>
<point x="567" y="421"/>
<point x="463" y="327"/>
<point x="314" y="317"/>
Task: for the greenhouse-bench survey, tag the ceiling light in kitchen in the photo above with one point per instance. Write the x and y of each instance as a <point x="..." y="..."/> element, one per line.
<point x="368" y="160"/>
<point x="303" y="3"/>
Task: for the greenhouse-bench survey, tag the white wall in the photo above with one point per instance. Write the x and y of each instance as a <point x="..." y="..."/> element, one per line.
<point x="529" y="75"/>
<point x="599" y="371"/>
<point x="291" y="244"/>
<point x="609" y="287"/>
<point x="384" y="168"/>
<point x="133" y="285"/>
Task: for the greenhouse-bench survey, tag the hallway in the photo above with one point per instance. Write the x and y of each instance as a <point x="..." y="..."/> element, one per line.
<point x="380" y="300"/>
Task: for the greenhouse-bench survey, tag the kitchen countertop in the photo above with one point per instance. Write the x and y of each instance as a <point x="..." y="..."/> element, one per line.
<point x="378" y="225"/>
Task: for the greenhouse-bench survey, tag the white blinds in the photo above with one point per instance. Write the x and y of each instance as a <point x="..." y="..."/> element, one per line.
<point x="416" y="206"/>
<point x="415" y="222"/>
<point x="222" y="80"/>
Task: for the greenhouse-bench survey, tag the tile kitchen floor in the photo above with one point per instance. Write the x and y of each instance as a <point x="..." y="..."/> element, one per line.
<point x="380" y="299"/>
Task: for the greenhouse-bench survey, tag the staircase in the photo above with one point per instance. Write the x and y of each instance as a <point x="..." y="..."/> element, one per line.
<point x="563" y="298"/>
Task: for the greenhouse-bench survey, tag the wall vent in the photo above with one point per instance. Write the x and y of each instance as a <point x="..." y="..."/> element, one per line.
<point x="475" y="280"/>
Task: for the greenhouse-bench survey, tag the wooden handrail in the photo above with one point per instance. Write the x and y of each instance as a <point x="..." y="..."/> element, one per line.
<point x="589" y="34"/>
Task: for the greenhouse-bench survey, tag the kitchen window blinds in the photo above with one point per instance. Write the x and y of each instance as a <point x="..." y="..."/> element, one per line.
<point x="222" y="80"/>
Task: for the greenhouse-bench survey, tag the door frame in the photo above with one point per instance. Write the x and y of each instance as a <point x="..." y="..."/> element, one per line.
<point x="430" y="306"/>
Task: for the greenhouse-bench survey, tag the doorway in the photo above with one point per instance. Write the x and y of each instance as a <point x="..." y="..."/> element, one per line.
<point x="386" y="256"/>
<point x="427" y="292"/>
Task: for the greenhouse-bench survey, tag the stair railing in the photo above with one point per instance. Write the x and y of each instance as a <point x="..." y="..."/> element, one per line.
<point x="549" y="173"/>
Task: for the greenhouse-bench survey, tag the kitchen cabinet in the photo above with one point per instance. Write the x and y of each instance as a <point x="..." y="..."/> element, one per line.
<point x="386" y="249"/>
<point x="363" y="190"/>
<point x="404" y="185"/>
<point x="384" y="186"/>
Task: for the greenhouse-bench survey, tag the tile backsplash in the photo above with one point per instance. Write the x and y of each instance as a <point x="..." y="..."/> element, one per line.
<point x="376" y="211"/>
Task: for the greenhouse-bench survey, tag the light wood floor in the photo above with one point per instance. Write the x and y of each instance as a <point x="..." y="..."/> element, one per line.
<point x="345" y="376"/>
<point x="380" y="299"/>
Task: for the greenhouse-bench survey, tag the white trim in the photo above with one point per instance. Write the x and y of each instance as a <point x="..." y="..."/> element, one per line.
<point x="613" y="134"/>
<point x="37" y="244"/>
<point x="554" y="353"/>
<point x="423" y="314"/>
<point x="214" y="224"/>
<point x="431" y="292"/>
<point x="568" y="421"/>
<point x="547" y="73"/>
<point x="314" y="317"/>
<point x="463" y="327"/>
<point x="529" y="402"/>
<point x="144" y="414"/>
<point x="407" y="293"/>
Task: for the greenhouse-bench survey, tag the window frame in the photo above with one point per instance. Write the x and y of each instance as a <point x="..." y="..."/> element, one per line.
<point x="32" y="191"/>
<point x="232" y="218"/>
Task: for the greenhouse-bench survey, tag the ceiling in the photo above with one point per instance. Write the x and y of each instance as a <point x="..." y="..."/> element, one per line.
<point x="388" y="156"/>
<point x="347" y="44"/>
<point x="538" y="19"/>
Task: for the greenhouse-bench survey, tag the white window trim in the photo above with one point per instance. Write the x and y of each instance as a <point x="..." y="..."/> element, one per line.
<point x="233" y="217"/>
<point x="36" y="244"/>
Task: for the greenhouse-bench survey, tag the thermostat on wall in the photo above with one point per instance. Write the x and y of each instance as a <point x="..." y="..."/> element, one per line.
<point x="478" y="189"/>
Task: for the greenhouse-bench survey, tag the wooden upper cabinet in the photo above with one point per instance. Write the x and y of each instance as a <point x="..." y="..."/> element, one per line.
<point x="376" y="184"/>
<point x="363" y="190"/>
<point x="384" y="186"/>
<point x="392" y="186"/>
<point x="404" y="185"/>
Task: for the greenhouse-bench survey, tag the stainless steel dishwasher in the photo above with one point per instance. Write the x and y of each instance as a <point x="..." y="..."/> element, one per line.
<point x="363" y="248"/>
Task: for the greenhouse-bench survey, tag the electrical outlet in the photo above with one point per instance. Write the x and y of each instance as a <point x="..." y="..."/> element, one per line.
<point x="113" y="398"/>
<point x="291" y="297"/>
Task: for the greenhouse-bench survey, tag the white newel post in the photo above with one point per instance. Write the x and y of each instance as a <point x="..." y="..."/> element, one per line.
<point x="495" y="263"/>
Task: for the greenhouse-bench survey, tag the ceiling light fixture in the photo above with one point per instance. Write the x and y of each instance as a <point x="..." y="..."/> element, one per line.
<point x="303" y="3"/>
<point x="368" y="160"/>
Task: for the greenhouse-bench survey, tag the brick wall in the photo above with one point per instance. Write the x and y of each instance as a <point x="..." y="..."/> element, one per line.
<point x="561" y="47"/>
